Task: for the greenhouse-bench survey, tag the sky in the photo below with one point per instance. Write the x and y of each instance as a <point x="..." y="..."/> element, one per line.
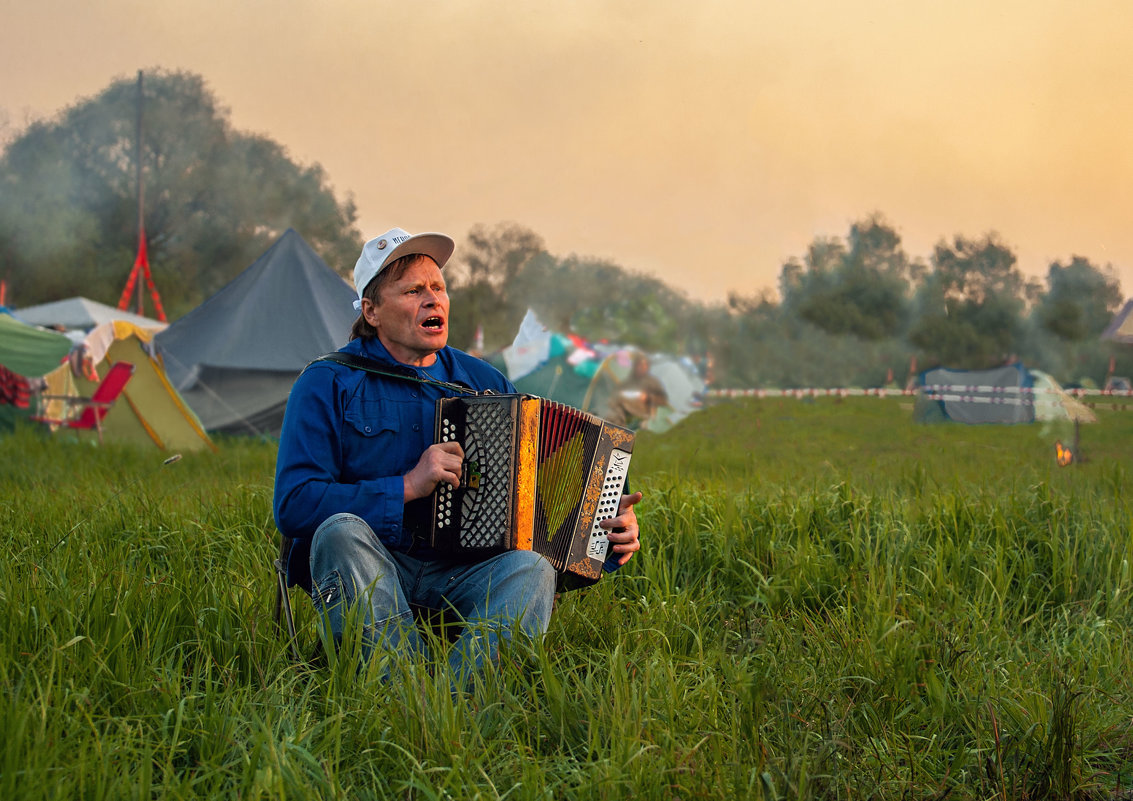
<point x="704" y="142"/>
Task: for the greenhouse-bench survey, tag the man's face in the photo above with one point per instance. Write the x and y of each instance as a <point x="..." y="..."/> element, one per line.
<point x="412" y="319"/>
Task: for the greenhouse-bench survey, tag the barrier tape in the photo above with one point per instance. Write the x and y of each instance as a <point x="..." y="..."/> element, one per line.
<point x="946" y="392"/>
<point x="880" y="392"/>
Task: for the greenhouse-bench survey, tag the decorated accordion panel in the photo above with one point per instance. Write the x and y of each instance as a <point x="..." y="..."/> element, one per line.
<point x="537" y="475"/>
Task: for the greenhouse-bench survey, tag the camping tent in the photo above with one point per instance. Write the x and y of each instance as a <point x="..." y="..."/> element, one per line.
<point x="149" y="410"/>
<point x="82" y="314"/>
<point x="999" y="395"/>
<point x="588" y="375"/>
<point x="556" y="366"/>
<point x="235" y="357"/>
<point x="556" y="378"/>
<point x="30" y="351"/>
<point x="26" y="354"/>
<point x="1120" y="328"/>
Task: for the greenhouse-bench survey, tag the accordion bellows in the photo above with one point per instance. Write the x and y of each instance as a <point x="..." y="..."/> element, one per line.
<point x="538" y="475"/>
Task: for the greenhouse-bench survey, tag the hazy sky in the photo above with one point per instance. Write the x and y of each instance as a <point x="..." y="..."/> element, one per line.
<point x="703" y="141"/>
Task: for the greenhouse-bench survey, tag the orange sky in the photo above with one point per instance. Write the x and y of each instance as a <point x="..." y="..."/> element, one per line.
<point x="703" y="142"/>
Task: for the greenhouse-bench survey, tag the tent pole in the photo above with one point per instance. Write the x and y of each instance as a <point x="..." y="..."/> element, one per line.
<point x="141" y="187"/>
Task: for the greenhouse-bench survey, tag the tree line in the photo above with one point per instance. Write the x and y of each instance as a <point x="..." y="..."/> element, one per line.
<point x="857" y="311"/>
<point x="852" y="311"/>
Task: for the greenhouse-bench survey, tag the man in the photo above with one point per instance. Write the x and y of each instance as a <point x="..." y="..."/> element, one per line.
<point x="356" y="448"/>
<point x="638" y="397"/>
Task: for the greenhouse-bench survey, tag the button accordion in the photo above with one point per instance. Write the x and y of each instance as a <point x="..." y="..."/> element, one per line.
<point x="537" y="475"/>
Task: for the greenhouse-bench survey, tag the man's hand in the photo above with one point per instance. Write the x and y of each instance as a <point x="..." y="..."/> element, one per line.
<point x="623" y="529"/>
<point x="439" y="464"/>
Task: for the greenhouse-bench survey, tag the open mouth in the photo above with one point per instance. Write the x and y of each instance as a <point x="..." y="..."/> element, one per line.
<point x="433" y="323"/>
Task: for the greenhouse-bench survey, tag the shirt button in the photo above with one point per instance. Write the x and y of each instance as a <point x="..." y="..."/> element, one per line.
<point x="416" y="427"/>
<point x="367" y="429"/>
<point x="415" y="394"/>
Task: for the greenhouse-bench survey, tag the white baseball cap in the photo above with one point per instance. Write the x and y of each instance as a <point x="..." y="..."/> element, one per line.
<point x="392" y="245"/>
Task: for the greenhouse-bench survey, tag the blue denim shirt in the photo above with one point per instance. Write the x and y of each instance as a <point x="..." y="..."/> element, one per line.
<point x="350" y="436"/>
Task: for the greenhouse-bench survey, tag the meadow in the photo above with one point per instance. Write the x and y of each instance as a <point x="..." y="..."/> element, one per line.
<point x="832" y="602"/>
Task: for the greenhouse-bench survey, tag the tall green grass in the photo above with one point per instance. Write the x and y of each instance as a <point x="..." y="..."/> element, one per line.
<point x="831" y="602"/>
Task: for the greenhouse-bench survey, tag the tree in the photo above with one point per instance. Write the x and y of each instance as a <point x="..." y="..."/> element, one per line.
<point x="215" y="198"/>
<point x="971" y="304"/>
<point x="481" y="278"/>
<point x="1080" y="300"/>
<point x="496" y="255"/>
<point x="632" y="309"/>
<point x="1062" y="334"/>
<point x="859" y="288"/>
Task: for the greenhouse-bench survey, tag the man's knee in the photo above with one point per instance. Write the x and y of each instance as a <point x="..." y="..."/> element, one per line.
<point x="350" y="564"/>
<point x="346" y="542"/>
<point x="341" y="530"/>
<point x="542" y="572"/>
<point x="345" y="546"/>
<point x="525" y="587"/>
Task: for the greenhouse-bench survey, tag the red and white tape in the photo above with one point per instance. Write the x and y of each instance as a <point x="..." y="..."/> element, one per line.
<point x="975" y="393"/>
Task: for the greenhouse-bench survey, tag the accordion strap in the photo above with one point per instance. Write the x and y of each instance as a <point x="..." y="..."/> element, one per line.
<point x="368" y="365"/>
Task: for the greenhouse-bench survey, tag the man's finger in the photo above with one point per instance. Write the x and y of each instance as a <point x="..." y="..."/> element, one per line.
<point x="628" y="501"/>
<point x="449" y="447"/>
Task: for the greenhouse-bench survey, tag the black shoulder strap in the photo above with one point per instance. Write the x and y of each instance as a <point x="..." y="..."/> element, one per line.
<point x="368" y="365"/>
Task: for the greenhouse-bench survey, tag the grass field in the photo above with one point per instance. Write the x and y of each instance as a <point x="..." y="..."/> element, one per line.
<point x="832" y="602"/>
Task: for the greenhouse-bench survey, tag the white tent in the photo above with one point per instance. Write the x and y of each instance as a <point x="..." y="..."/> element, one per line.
<point x="82" y="314"/>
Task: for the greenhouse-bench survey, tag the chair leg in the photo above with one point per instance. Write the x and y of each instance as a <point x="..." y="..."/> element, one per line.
<point x="283" y="607"/>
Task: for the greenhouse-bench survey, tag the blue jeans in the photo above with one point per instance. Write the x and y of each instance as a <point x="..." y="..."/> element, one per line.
<point x="351" y="567"/>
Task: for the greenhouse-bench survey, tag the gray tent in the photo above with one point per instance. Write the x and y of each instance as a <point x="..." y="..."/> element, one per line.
<point x="1120" y="328"/>
<point x="235" y="357"/>
<point x="998" y="395"/>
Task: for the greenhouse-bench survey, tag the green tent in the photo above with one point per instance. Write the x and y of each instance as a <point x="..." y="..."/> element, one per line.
<point x="29" y="351"/>
<point x="587" y="387"/>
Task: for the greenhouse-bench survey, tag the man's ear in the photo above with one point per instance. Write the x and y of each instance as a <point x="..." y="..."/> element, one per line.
<point x="370" y="312"/>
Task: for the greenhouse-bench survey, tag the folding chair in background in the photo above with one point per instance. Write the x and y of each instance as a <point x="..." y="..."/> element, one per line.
<point x="94" y="408"/>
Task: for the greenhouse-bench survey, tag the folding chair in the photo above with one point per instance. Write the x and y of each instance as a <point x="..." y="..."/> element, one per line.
<point x="94" y="408"/>
<point x="282" y="598"/>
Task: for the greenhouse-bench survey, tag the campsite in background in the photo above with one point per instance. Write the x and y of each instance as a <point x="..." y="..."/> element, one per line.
<point x="228" y="365"/>
<point x="846" y="312"/>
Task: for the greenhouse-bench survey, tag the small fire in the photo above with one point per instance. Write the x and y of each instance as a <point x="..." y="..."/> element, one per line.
<point x="1063" y="454"/>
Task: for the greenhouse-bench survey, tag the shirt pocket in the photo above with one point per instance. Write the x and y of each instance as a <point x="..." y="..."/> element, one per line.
<point x="372" y="418"/>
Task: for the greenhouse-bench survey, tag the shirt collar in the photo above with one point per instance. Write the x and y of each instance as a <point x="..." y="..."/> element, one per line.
<point x="374" y="348"/>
